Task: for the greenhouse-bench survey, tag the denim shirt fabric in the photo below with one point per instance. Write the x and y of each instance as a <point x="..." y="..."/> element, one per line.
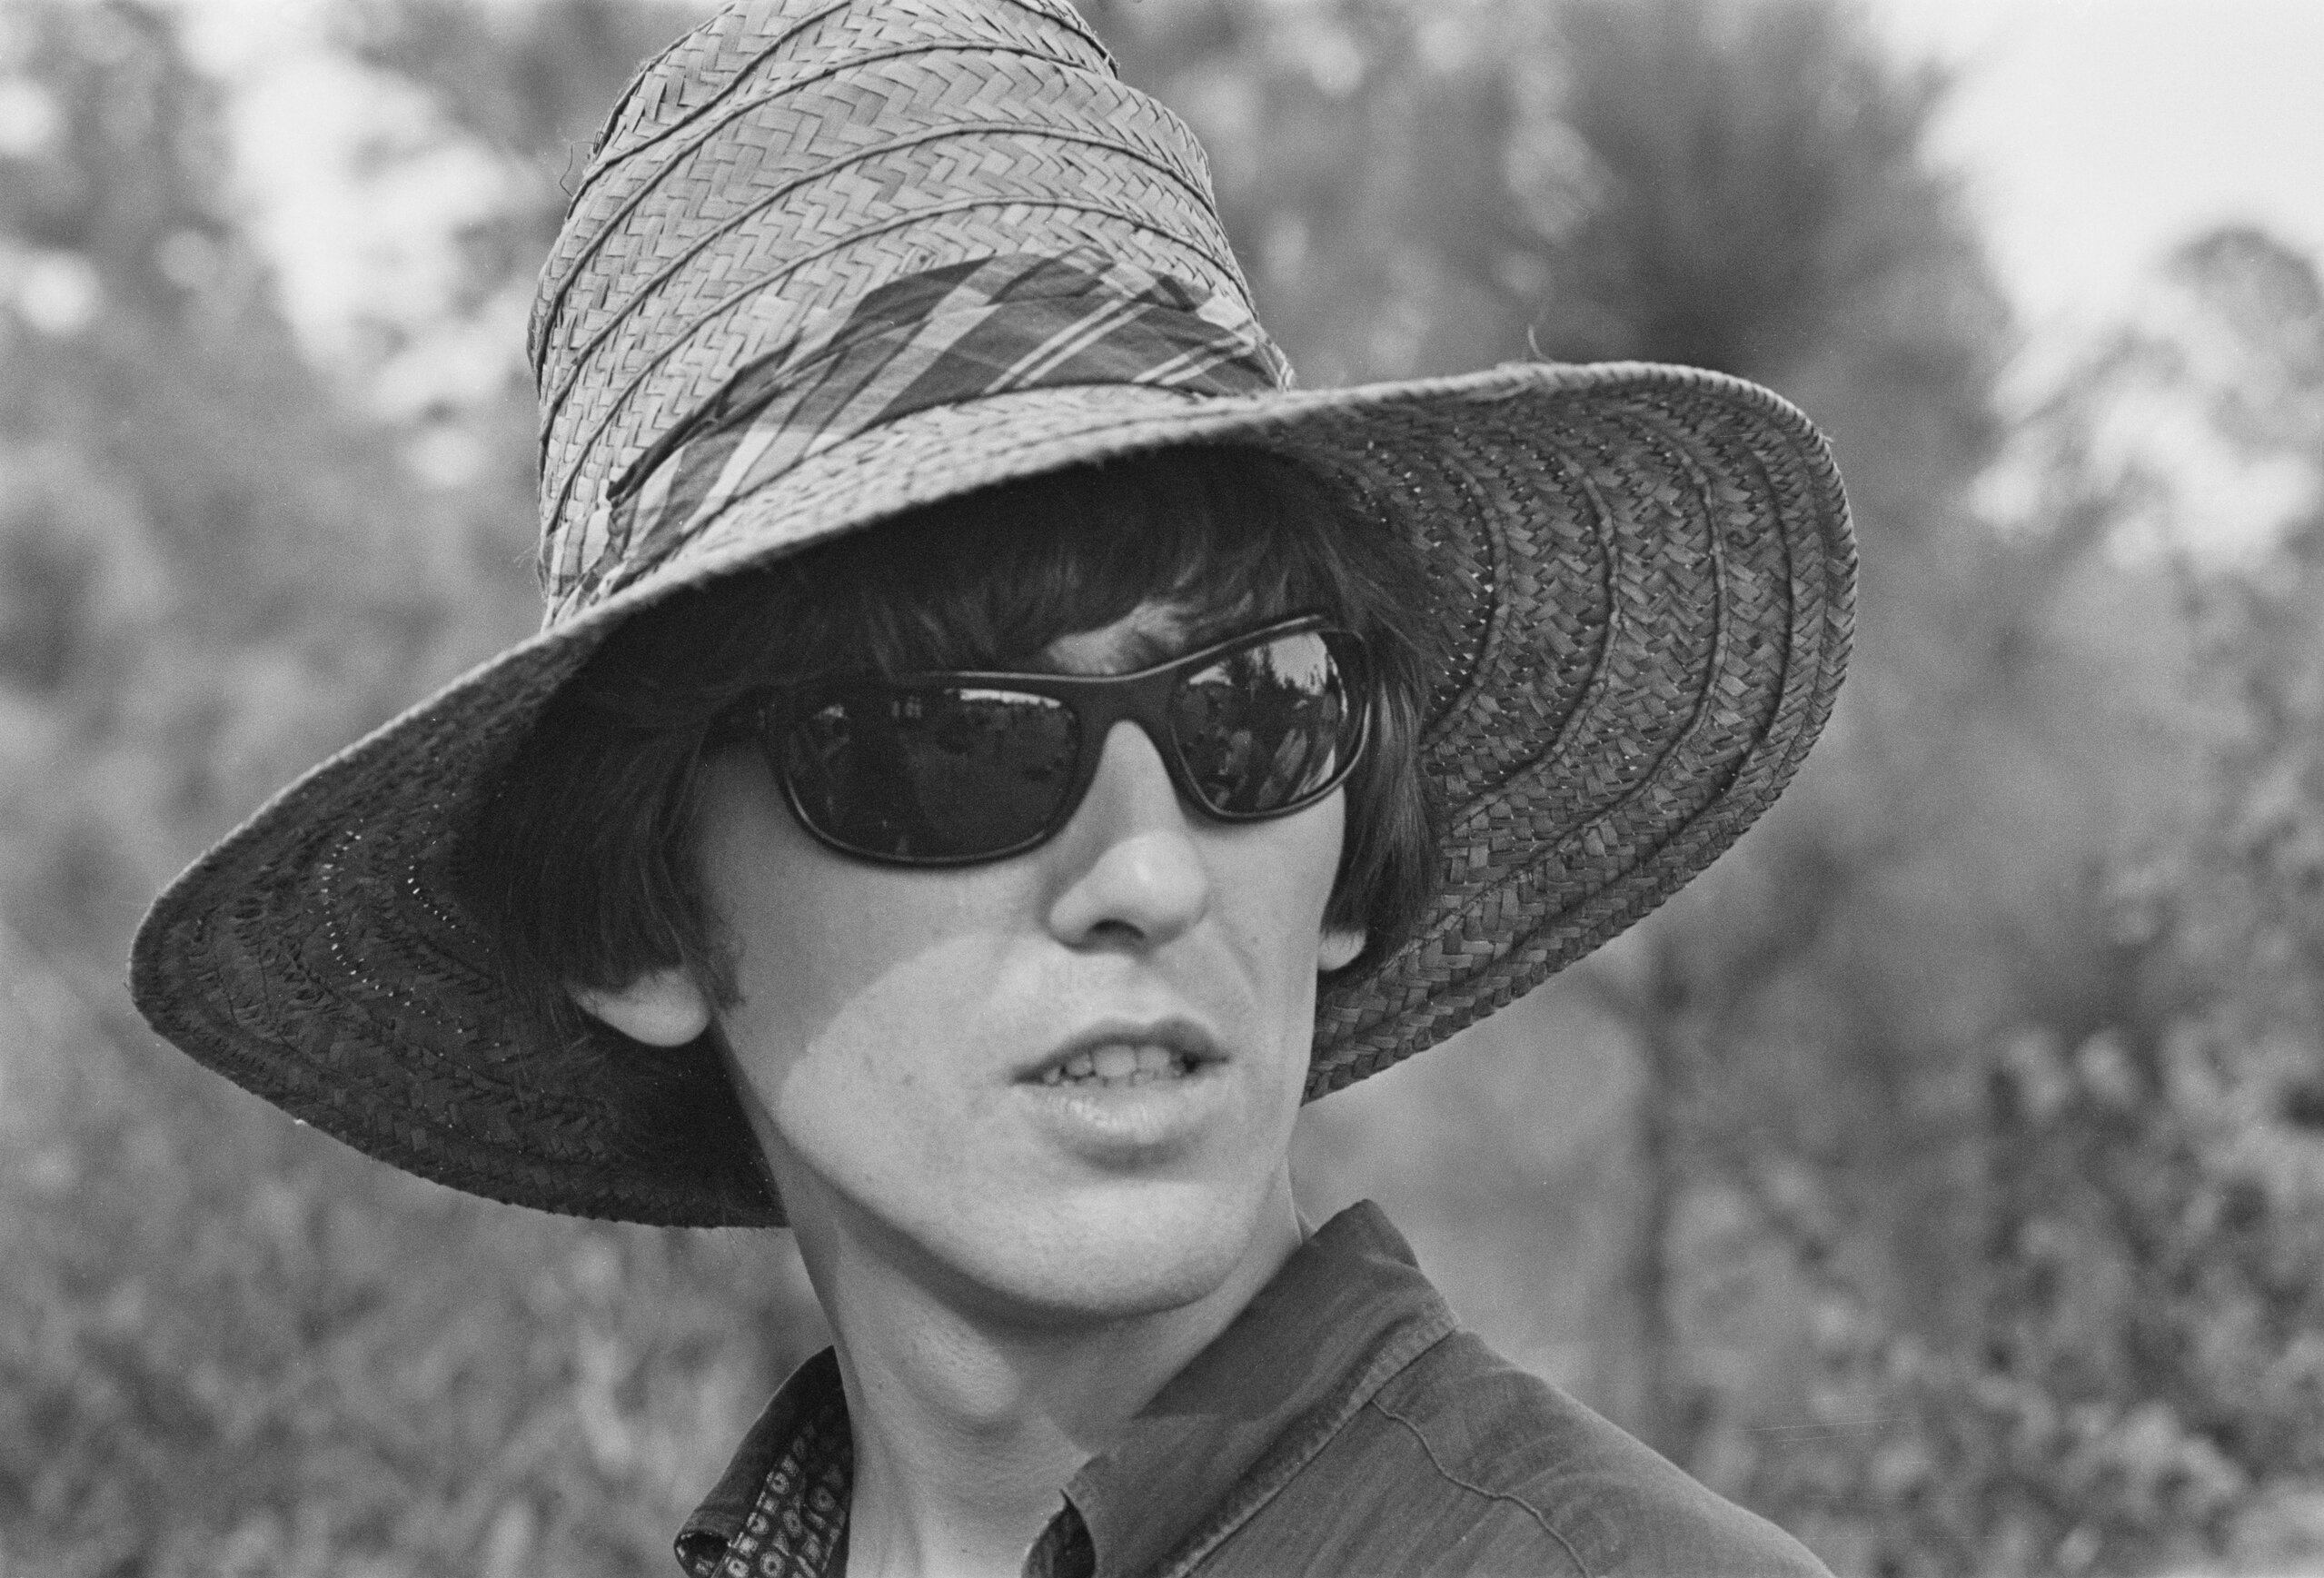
<point x="1341" y="1426"/>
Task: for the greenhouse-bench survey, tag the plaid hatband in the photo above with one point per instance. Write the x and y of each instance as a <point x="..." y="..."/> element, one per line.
<point x="948" y="336"/>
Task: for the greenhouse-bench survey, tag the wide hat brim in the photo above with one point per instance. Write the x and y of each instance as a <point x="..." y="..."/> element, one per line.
<point x="1642" y="581"/>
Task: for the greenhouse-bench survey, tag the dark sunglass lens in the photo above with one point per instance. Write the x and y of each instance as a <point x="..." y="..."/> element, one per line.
<point x="934" y="774"/>
<point x="1266" y="726"/>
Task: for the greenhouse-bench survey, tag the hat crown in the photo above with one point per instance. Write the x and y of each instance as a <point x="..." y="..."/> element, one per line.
<point x="780" y="229"/>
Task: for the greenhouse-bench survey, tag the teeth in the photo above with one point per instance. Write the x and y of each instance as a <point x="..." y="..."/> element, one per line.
<point x="1114" y="1066"/>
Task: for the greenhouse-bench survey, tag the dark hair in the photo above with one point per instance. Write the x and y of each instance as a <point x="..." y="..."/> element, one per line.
<point x="583" y="860"/>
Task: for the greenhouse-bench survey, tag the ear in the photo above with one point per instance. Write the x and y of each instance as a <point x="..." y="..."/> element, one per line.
<point x="661" y="1007"/>
<point x="1338" y="949"/>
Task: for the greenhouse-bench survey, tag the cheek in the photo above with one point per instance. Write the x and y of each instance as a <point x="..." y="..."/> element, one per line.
<point x="842" y="969"/>
<point x="1294" y="872"/>
<point x="1277" y="878"/>
<point x="864" y="1077"/>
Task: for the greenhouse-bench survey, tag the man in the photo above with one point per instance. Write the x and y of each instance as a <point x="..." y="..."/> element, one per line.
<point x="993" y="752"/>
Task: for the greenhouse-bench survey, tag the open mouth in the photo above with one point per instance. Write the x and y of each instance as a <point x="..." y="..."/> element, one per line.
<point x="1117" y="1066"/>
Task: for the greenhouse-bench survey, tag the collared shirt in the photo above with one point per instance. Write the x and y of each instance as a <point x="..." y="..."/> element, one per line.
<point x="1341" y="1424"/>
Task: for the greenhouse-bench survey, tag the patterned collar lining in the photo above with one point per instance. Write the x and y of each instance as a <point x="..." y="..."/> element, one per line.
<point x="798" y="1526"/>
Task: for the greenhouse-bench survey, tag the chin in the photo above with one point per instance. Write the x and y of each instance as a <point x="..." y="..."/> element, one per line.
<point x="1117" y="1252"/>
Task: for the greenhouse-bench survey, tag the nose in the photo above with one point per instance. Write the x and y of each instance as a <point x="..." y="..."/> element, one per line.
<point x="1132" y="875"/>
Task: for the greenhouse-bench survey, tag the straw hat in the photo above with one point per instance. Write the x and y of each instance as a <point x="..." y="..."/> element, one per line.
<point x="832" y="259"/>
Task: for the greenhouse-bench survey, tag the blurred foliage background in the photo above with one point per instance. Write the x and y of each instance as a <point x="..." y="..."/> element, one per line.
<point x="1942" y="1176"/>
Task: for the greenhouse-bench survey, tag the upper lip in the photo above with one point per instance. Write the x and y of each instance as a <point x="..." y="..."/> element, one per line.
<point x="1181" y="1035"/>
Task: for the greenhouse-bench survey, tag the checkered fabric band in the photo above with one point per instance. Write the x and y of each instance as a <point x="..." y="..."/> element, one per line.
<point x="954" y="335"/>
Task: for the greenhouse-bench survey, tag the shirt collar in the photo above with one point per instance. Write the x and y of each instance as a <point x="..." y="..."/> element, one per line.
<point x="766" y="1501"/>
<point x="1348" y="1310"/>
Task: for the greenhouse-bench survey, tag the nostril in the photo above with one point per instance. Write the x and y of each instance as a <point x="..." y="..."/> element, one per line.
<point x="1136" y="893"/>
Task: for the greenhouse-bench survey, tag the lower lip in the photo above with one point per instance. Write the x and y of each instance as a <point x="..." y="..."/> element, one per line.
<point x="1126" y="1124"/>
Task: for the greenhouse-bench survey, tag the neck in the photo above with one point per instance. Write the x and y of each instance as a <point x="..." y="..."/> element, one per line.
<point x="968" y="1425"/>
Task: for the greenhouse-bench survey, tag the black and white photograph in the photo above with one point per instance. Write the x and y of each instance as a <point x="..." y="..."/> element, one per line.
<point x="1162" y="788"/>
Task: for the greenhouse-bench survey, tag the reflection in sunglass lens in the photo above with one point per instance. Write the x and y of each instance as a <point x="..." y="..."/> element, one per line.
<point x="934" y="773"/>
<point x="1264" y="725"/>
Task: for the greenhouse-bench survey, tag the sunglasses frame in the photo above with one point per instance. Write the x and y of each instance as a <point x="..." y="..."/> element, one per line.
<point x="1096" y="701"/>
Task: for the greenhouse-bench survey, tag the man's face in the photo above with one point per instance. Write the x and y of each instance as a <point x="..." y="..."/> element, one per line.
<point x="935" y="1059"/>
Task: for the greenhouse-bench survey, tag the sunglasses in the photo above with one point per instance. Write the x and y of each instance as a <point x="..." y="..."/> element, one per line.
<point x="951" y="769"/>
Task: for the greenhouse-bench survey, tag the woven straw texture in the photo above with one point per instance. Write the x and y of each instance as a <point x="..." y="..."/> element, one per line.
<point x="1643" y="576"/>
